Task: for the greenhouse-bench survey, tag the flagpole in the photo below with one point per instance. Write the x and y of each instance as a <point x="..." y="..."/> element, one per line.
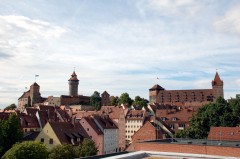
<point x="36" y="77"/>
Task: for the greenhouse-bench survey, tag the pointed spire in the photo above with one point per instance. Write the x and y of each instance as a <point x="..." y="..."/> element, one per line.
<point x="217" y="81"/>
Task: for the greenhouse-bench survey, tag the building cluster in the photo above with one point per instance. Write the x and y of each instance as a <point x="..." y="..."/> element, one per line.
<point x="69" y="118"/>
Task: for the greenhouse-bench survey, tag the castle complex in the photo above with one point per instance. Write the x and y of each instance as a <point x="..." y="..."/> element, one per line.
<point x="198" y="97"/>
<point x="33" y="96"/>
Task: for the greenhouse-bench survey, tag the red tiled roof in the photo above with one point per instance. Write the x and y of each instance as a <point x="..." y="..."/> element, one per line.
<point x="224" y="133"/>
<point x="104" y="121"/>
<point x="28" y="121"/>
<point x="135" y="114"/>
<point x="217" y="81"/>
<point x="73" y="77"/>
<point x="81" y="114"/>
<point x="92" y="123"/>
<point x="181" y="114"/>
<point x="112" y="111"/>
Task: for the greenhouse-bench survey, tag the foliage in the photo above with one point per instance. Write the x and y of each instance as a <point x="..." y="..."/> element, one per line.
<point x="95" y="100"/>
<point x="87" y="148"/>
<point x="114" y="101"/>
<point x="62" y="152"/>
<point x="10" y="133"/>
<point x="220" y="113"/>
<point x="28" y="149"/>
<point x="11" y="107"/>
<point x="125" y="99"/>
<point x="141" y="102"/>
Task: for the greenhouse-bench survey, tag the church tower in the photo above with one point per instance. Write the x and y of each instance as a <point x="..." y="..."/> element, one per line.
<point x="73" y="85"/>
<point x="35" y="95"/>
<point x="217" y="86"/>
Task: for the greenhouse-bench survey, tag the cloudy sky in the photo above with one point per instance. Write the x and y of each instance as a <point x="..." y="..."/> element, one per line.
<point x="119" y="46"/>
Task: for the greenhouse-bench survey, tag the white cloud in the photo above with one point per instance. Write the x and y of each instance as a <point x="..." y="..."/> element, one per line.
<point x="230" y="22"/>
<point x="188" y="8"/>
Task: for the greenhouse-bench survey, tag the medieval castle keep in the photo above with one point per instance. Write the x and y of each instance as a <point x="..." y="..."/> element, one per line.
<point x="194" y="97"/>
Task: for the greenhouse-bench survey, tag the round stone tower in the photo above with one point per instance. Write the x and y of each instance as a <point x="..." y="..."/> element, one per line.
<point x="34" y="93"/>
<point x="73" y="85"/>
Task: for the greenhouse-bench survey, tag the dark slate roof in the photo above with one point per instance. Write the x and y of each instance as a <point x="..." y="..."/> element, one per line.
<point x="31" y="136"/>
<point x="25" y="95"/>
<point x="156" y="87"/>
<point x="65" y="131"/>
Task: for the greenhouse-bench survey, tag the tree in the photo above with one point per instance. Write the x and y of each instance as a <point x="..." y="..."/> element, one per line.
<point x="95" y="100"/>
<point x="28" y="149"/>
<point x="11" y="107"/>
<point x="220" y="113"/>
<point x="125" y="99"/>
<point x="10" y="133"/>
<point x="141" y="102"/>
<point x="114" y="101"/>
<point x="87" y="148"/>
<point x="64" y="151"/>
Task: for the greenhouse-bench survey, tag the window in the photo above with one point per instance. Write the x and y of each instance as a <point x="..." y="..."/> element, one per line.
<point x="171" y="126"/>
<point x="87" y="129"/>
<point x="50" y="141"/>
<point x="163" y="118"/>
<point x="181" y="125"/>
<point x="42" y="139"/>
<point x="174" y="119"/>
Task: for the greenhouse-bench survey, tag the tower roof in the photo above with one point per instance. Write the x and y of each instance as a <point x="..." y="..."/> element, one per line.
<point x="157" y="87"/>
<point x="73" y="77"/>
<point x="35" y="84"/>
<point x="217" y="80"/>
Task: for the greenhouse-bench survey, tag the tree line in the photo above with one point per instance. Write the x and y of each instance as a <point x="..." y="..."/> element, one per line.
<point x="220" y="113"/>
<point x="95" y="100"/>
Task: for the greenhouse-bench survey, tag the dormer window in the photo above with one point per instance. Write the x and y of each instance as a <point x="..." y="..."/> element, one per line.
<point x="174" y="119"/>
<point x="163" y="118"/>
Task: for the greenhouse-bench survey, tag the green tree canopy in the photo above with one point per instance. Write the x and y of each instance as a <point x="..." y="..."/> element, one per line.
<point x="95" y="100"/>
<point x="11" y="107"/>
<point x="125" y="99"/>
<point x="114" y="101"/>
<point x="27" y="150"/>
<point x="141" y="102"/>
<point x="10" y="133"/>
<point x="87" y="148"/>
<point x="62" y="152"/>
<point x="220" y="113"/>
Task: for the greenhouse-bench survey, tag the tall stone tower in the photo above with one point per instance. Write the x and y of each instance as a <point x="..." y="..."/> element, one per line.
<point x="153" y="92"/>
<point x="73" y="85"/>
<point x="105" y="98"/>
<point x="35" y="95"/>
<point x="217" y="86"/>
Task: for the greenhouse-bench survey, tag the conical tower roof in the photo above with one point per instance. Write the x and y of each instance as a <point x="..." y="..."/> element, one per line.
<point x="217" y="81"/>
<point x="73" y="77"/>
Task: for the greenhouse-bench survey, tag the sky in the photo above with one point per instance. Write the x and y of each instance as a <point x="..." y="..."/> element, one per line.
<point x="118" y="46"/>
